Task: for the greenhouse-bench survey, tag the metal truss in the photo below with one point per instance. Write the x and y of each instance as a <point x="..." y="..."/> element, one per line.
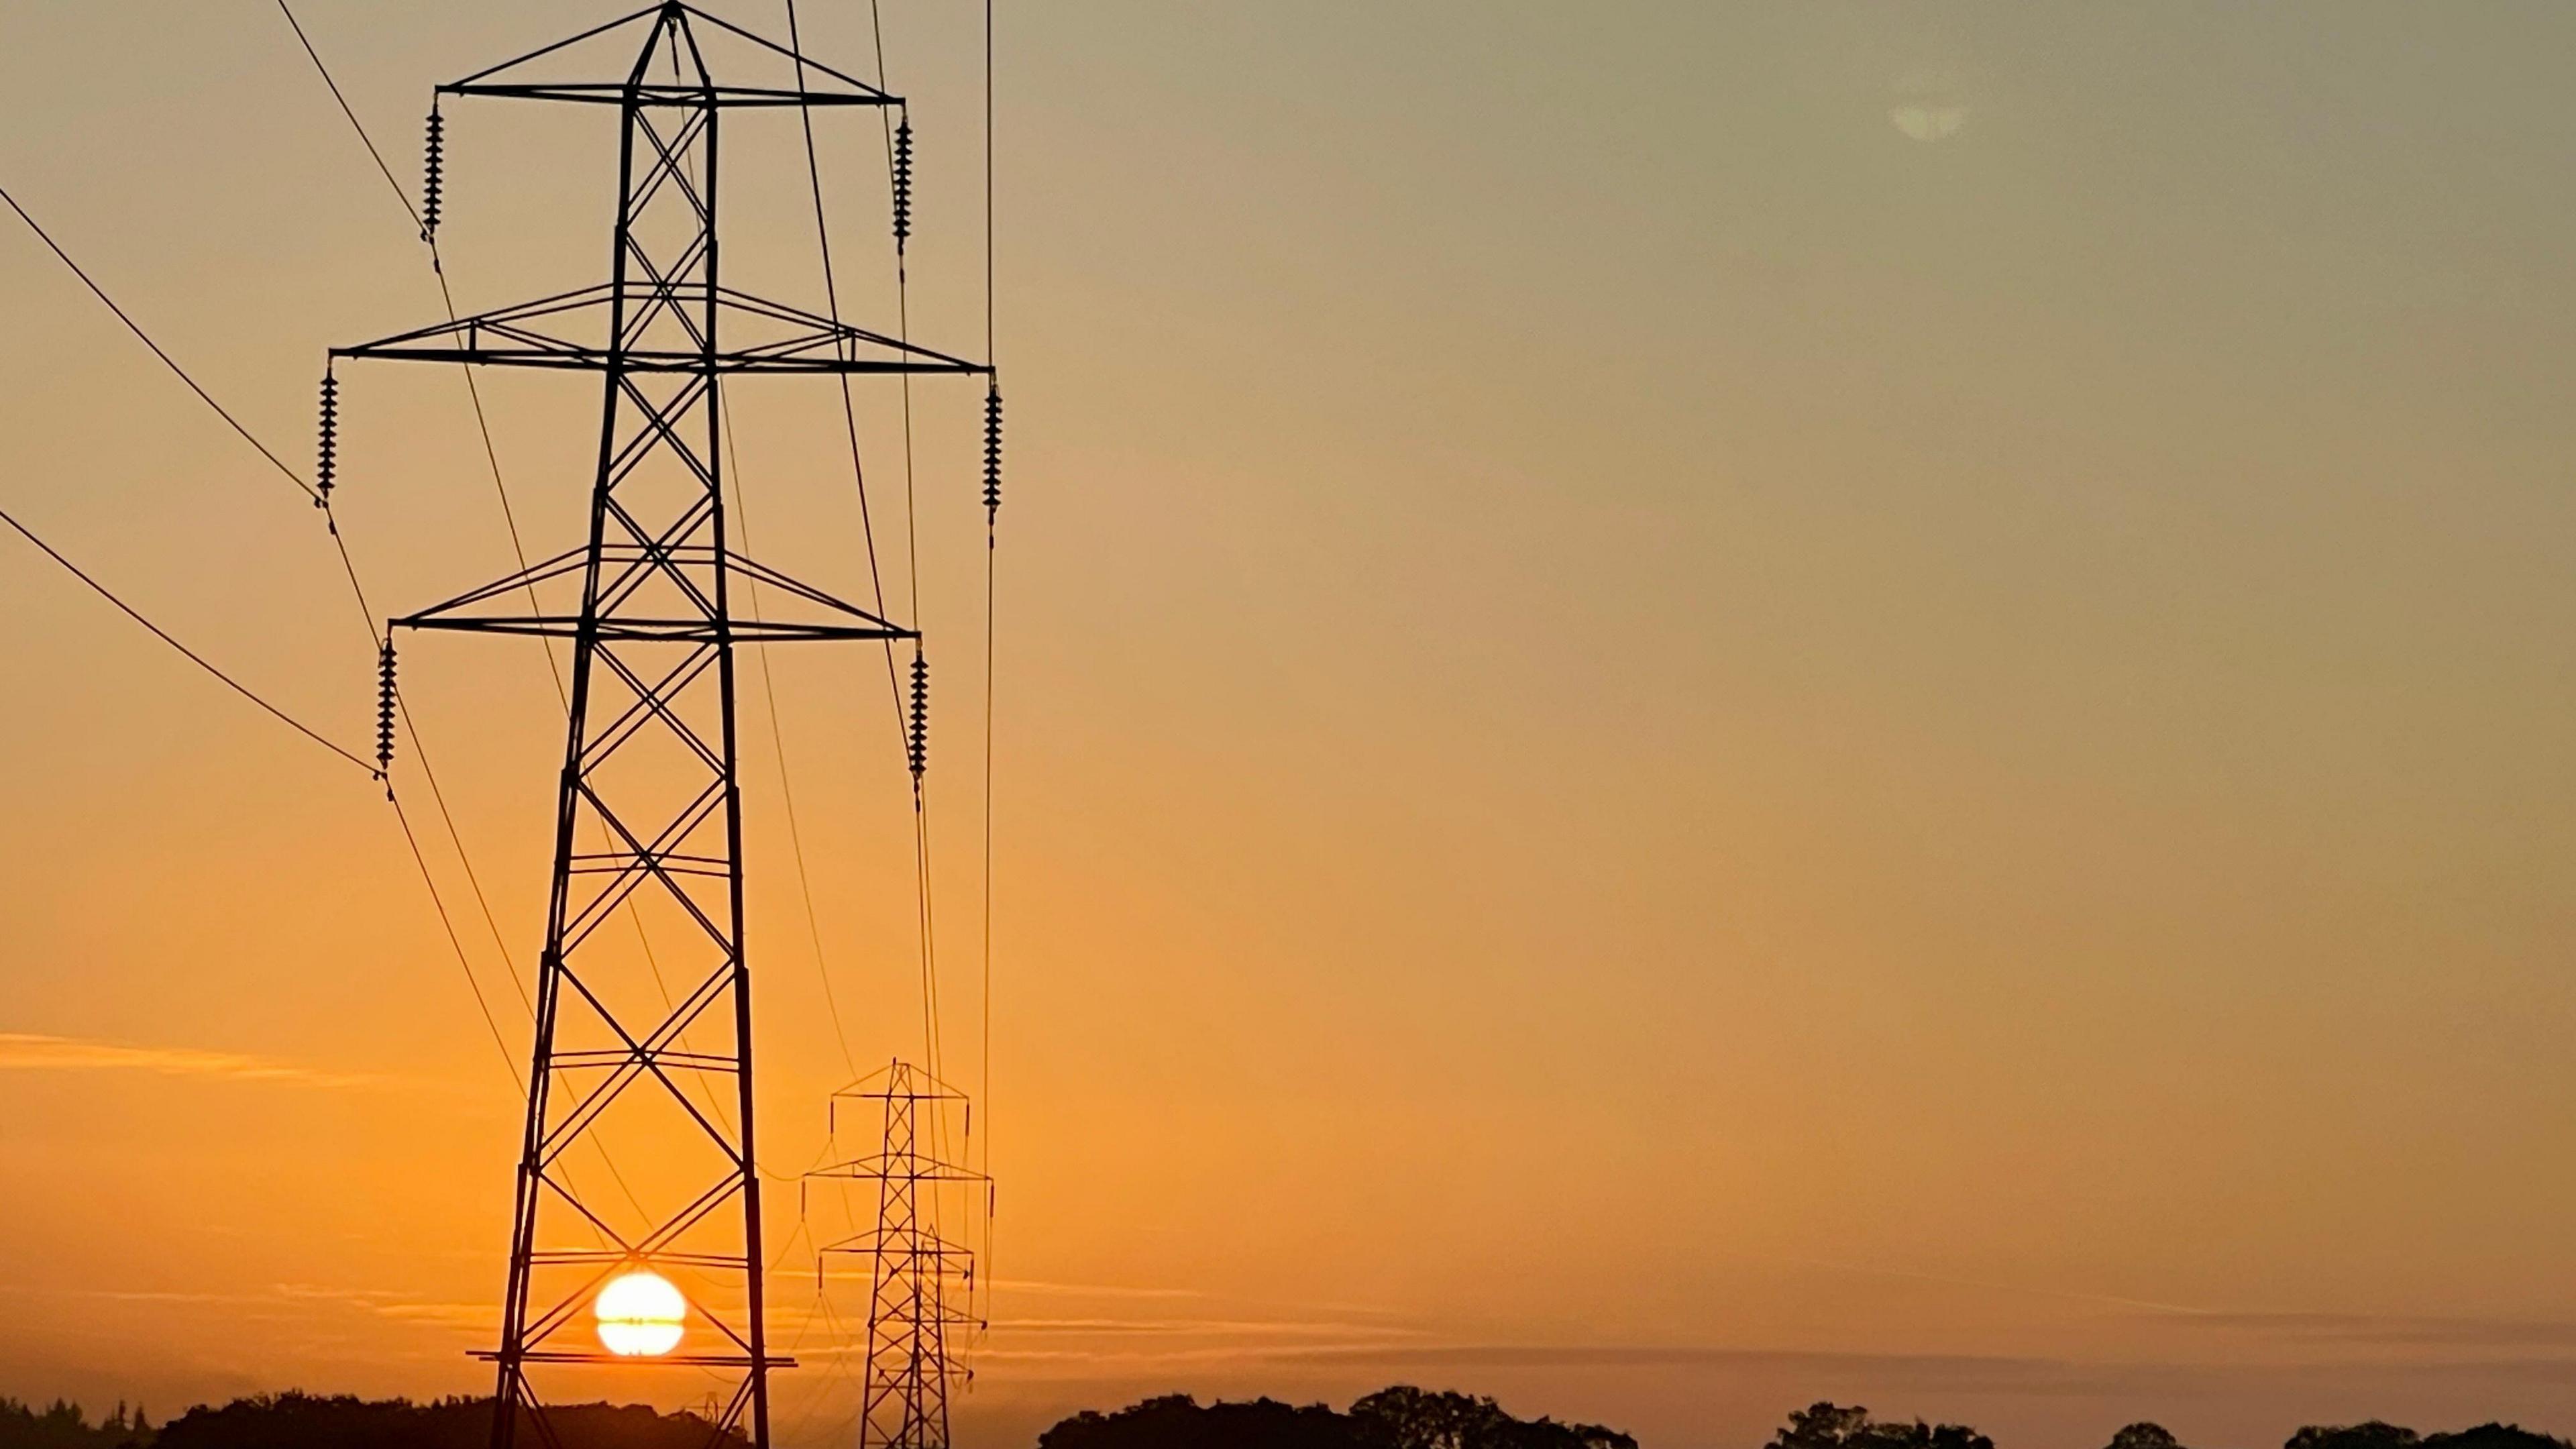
<point x="920" y="1284"/>
<point x="649" y="812"/>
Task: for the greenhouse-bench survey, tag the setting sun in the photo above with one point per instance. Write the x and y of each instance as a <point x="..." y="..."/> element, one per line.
<point x="639" y="1315"/>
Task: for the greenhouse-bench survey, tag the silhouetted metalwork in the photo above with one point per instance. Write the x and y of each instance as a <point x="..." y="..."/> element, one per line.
<point x="649" y="819"/>
<point x="432" y="171"/>
<point x="920" y="1285"/>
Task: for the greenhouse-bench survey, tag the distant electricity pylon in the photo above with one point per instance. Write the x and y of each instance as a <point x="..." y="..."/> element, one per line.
<point x="660" y="1236"/>
<point x="919" y="1284"/>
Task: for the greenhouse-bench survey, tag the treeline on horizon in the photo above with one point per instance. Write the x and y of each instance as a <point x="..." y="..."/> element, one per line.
<point x="1401" y="1417"/>
<point x="295" y="1420"/>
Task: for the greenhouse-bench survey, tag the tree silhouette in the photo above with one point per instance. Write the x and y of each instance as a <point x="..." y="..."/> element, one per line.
<point x="1177" y="1421"/>
<point x="312" y="1421"/>
<point x="2144" y="1435"/>
<point x="1404" y="1417"/>
<point x="1837" y="1426"/>
<point x="2375" y="1434"/>
<point x="63" y="1425"/>
<point x="2494" y="1436"/>
<point x="1820" y="1426"/>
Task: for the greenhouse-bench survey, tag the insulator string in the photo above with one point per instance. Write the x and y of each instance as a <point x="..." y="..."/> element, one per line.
<point x="992" y="452"/>
<point x="902" y="182"/>
<point x="327" y="449"/>
<point x="433" y="178"/>
<point x="917" y="738"/>
<point x="385" y="706"/>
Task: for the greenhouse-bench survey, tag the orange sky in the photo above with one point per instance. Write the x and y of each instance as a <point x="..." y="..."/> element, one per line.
<point x="1666" y="750"/>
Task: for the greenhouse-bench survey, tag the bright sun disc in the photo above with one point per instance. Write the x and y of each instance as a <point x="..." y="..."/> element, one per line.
<point x="639" y="1315"/>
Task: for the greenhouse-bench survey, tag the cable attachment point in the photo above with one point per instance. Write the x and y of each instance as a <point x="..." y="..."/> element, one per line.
<point x="902" y="181"/>
<point x="326" y="466"/>
<point x="992" y="453"/>
<point x="916" y="744"/>
<point x="385" y="708"/>
<point x="431" y="179"/>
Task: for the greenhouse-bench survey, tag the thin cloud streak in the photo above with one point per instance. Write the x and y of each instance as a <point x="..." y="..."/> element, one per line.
<point x="2004" y="1374"/>
<point x="31" y="1052"/>
<point x="1249" y="1327"/>
<point x="1015" y="1286"/>
<point x="1089" y="1290"/>
<point x="2394" y="1329"/>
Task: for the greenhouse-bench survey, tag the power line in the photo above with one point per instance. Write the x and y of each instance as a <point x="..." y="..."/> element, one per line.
<point x="438" y="269"/>
<point x="411" y="730"/>
<point x="778" y="746"/>
<point x="984" y="994"/>
<point x="420" y="752"/>
<point x="448" y="924"/>
<point x="859" y="478"/>
<point x="95" y="290"/>
<point x="898" y="149"/>
<point x="399" y="193"/>
<point x="481" y="1005"/>
<point x="348" y="567"/>
<point x="235" y="685"/>
<point x="849" y="409"/>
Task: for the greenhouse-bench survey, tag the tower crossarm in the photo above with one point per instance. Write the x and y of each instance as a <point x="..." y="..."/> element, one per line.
<point x="500" y="607"/>
<point x="591" y="1356"/>
<point x="522" y="78"/>
<point x="570" y="332"/>
<point x="902" y="1166"/>
<point x="610" y="93"/>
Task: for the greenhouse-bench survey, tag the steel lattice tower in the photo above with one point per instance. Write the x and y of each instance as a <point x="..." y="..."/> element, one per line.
<point x="912" y="1270"/>
<point x="642" y="1040"/>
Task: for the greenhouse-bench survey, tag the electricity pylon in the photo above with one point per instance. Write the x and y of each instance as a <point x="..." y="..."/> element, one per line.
<point x="648" y="822"/>
<point x="920" y="1285"/>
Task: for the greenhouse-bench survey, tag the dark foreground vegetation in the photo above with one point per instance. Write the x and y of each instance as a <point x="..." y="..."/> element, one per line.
<point x="309" y="1421"/>
<point x="1395" y="1418"/>
<point x="1409" y="1418"/>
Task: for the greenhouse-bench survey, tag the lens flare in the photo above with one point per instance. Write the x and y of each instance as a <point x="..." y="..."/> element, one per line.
<point x="639" y="1315"/>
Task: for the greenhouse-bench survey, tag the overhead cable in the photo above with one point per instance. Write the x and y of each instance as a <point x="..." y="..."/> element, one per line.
<point x="372" y="152"/>
<point x="208" y="399"/>
<point x="164" y="635"/>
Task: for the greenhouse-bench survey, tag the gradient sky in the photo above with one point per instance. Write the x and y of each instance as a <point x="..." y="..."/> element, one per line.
<point x="1665" y="749"/>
